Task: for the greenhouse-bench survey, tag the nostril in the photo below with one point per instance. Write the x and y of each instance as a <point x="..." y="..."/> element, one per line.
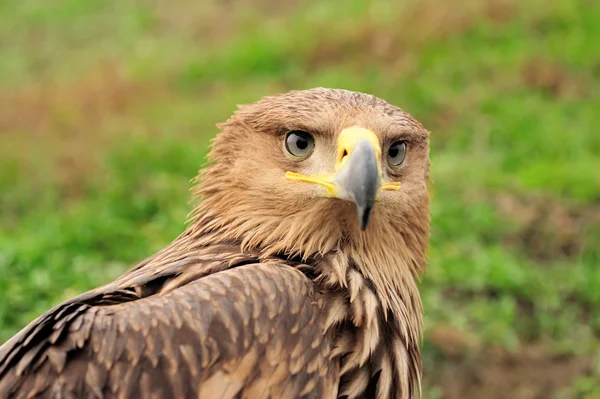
<point x="343" y="154"/>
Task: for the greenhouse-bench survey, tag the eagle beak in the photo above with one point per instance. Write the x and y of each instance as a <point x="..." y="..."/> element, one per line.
<point x="358" y="177"/>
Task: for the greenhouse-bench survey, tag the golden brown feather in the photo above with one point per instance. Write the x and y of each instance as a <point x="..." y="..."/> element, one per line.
<point x="272" y="291"/>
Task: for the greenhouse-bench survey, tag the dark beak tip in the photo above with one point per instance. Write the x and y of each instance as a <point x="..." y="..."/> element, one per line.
<point x="364" y="215"/>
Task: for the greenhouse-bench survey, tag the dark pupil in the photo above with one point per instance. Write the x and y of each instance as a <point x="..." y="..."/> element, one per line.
<point x="301" y="143"/>
<point x="394" y="151"/>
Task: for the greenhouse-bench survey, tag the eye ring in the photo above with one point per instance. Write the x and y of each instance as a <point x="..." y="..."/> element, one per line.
<point x="299" y="144"/>
<point x="396" y="154"/>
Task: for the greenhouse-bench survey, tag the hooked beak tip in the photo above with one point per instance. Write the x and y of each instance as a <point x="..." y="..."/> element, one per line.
<point x="364" y="215"/>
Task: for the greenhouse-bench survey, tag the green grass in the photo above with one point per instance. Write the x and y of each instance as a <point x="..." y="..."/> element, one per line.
<point x="106" y="109"/>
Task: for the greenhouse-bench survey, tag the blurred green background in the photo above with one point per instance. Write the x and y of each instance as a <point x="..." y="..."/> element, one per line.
<point x="107" y="107"/>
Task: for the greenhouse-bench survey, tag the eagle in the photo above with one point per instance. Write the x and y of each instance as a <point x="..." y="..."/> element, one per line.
<point x="296" y="276"/>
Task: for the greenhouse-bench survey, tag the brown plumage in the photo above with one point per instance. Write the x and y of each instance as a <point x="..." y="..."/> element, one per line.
<point x="274" y="290"/>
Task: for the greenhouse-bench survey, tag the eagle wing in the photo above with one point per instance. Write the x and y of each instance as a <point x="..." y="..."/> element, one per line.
<point x="249" y="332"/>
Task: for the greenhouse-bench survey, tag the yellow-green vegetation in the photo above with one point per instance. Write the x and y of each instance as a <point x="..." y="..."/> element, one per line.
<point x="107" y="107"/>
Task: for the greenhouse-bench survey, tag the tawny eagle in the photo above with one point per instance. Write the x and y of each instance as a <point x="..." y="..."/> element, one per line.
<point x="295" y="277"/>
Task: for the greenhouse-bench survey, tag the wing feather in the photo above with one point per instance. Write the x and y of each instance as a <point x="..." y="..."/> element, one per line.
<point x="254" y="329"/>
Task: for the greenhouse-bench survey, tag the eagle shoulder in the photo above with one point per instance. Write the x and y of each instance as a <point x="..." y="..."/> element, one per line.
<point x="251" y="331"/>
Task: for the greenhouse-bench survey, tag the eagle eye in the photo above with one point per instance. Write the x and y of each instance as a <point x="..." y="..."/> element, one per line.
<point x="299" y="144"/>
<point x="397" y="153"/>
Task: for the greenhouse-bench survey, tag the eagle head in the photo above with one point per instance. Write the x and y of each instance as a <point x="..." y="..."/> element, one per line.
<point x="308" y="172"/>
